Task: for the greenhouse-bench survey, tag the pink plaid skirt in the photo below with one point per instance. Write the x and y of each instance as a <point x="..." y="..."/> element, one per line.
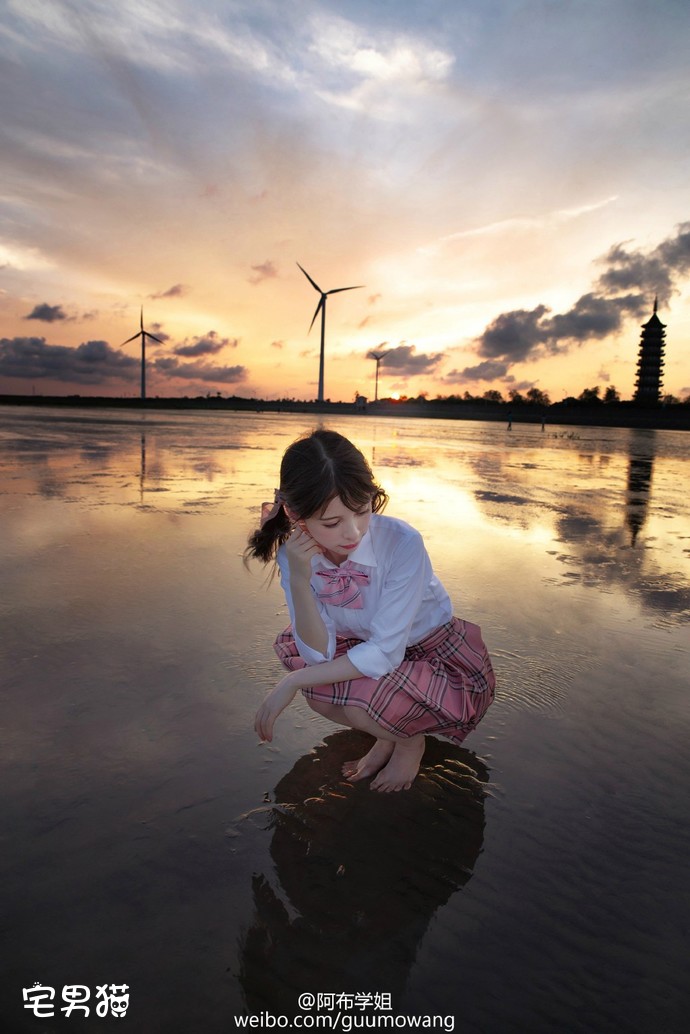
<point x="444" y="684"/>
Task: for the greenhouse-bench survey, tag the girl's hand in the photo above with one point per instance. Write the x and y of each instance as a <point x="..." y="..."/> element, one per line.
<point x="274" y="704"/>
<point x="300" y="548"/>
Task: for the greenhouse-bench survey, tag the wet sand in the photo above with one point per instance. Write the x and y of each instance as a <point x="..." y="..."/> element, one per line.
<point x="533" y="880"/>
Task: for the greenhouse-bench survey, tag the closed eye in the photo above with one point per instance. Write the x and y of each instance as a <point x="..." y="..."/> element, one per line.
<point x="358" y="513"/>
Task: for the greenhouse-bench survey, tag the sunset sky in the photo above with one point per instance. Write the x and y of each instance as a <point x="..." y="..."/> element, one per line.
<point x="508" y="180"/>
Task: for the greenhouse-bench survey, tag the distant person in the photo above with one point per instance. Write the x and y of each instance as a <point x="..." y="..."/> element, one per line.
<point x="373" y="643"/>
<point x="510" y="422"/>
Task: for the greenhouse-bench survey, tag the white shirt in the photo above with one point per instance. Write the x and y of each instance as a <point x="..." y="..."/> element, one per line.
<point x="402" y="603"/>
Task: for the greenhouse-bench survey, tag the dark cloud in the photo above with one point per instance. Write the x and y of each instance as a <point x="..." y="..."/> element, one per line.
<point x="675" y="251"/>
<point x="629" y="269"/>
<point x="593" y="317"/>
<point x="489" y="370"/>
<point x="263" y="271"/>
<point x="402" y="360"/>
<point x="208" y="344"/>
<point x="529" y="333"/>
<point x="513" y="335"/>
<point x="47" y="313"/>
<point x="95" y="363"/>
<point x="176" y="291"/>
<point x="625" y="289"/>
<point x="206" y="372"/>
<point x="653" y="273"/>
<point x="92" y="362"/>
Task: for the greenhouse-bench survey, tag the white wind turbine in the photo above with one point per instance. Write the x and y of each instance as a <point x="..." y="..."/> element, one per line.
<point x="378" y="356"/>
<point x="143" y="334"/>
<point x="322" y="308"/>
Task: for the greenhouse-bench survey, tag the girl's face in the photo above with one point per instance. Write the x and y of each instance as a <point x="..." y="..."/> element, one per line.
<point x="338" y="530"/>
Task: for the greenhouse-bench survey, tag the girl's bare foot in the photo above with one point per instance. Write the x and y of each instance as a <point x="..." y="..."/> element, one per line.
<point x="403" y="766"/>
<point x="371" y="763"/>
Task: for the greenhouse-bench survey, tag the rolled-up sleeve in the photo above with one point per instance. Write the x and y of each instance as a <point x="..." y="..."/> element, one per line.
<point x="306" y="652"/>
<point x="402" y="593"/>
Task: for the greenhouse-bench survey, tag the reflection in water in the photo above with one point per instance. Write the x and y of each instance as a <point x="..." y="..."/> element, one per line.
<point x="142" y="465"/>
<point x="362" y="873"/>
<point x="641" y="466"/>
<point x="606" y="551"/>
<point x="572" y="497"/>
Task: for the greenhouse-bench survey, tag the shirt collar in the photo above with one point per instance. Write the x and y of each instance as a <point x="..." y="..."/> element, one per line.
<point x="364" y="554"/>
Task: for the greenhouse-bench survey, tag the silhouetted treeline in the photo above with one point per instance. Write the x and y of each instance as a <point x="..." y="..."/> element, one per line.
<point x="584" y="410"/>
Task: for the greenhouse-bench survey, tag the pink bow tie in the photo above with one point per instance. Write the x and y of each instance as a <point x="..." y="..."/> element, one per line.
<point x="340" y="588"/>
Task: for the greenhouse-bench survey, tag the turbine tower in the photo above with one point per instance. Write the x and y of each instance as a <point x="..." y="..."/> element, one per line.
<point x="322" y="307"/>
<point x="143" y="334"/>
<point x="378" y="356"/>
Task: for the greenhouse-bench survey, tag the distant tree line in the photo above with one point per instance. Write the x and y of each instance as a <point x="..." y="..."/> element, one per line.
<point x="538" y="398"/>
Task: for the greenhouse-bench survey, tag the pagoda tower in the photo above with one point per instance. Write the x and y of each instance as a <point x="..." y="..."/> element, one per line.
<point x="651" y="360"/>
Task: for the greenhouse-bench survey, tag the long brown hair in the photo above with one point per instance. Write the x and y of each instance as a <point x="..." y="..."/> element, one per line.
<point x="315" y="469"/>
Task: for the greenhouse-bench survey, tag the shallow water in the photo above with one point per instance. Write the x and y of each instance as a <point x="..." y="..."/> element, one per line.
<point x="533" y="880"/>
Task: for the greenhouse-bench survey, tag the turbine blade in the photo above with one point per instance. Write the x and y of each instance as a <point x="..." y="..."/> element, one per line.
<point x="130" y="339"/>
<point x="337" y="289"/>
<point x="153" y="337"/>
<point x="141" y="318"/>
<point x="312" y="282"/>
<point x="318" y="308"/>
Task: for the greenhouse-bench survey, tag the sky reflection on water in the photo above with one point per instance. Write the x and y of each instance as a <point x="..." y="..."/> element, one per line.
<point x="136" y="648"/>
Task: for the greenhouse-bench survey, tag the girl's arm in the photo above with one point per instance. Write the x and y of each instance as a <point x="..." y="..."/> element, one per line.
<point x="341" y="669"/>
<point x="309" y="626"/>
